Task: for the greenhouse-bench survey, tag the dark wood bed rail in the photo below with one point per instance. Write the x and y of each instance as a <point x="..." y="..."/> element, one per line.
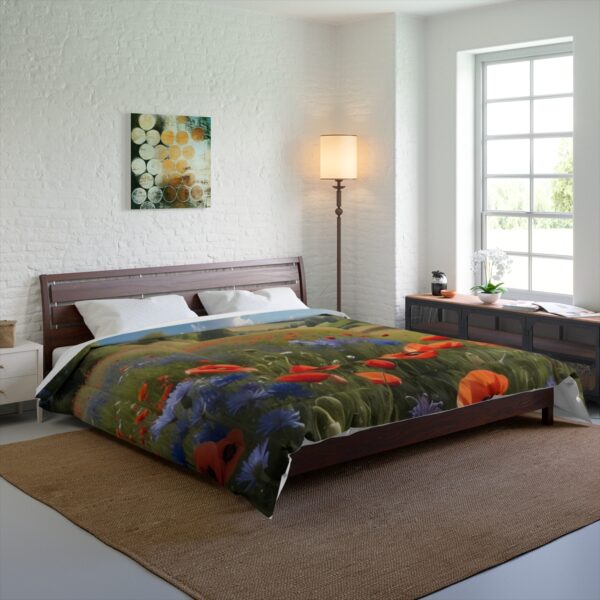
<point x="391" y="436"/>
<point x="63" y="325"/>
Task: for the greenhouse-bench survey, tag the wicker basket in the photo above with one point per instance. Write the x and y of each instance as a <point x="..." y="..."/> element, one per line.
<point x="7" y="334"/>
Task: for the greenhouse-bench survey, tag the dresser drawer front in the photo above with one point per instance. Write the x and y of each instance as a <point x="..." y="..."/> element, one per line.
<point x="16" y="364"/>
<point x="17" y="389"/>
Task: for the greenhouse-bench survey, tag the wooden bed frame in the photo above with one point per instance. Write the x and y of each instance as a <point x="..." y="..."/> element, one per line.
<point x="63" y="326"/>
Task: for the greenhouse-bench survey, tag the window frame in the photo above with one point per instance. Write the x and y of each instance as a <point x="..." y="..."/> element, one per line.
<point x="481" y="175"/>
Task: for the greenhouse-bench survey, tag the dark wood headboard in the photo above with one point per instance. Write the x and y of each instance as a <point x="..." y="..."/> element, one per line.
<point x="63" y="325"/>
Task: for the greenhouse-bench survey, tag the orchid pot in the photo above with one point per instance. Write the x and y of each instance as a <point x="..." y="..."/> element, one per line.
<point x="489" y="298"/>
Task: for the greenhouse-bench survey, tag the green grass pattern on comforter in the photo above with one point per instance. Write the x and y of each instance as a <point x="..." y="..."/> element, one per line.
<point x="235" y="402"/>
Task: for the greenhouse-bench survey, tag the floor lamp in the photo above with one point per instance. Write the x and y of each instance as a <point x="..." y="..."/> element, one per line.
<point x="338" y="162"/>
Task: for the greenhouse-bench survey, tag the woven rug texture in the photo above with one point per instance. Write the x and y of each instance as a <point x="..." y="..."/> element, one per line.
<point x="398" y="525"/>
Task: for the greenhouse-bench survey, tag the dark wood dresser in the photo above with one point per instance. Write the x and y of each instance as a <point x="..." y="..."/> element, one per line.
<point x="574" y="341"/>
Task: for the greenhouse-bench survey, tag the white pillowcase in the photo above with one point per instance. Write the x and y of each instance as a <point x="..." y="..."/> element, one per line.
<point x="113" y="316"/>
<point x="224" y="301"/>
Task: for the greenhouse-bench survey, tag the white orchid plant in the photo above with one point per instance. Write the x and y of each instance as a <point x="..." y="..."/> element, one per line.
<point x="494" y="264"/>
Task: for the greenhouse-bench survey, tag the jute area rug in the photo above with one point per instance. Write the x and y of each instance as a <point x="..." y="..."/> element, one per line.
<point x="399" y="525"/>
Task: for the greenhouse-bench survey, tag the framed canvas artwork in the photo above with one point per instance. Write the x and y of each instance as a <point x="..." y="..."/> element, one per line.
<point x="170" y="161"/>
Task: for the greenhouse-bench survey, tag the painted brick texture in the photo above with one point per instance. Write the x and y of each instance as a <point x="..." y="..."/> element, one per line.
<point x="71" y="74"/>
<point x="72" y="71"/>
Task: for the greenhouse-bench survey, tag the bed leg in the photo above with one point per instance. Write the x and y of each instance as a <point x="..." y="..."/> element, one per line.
<point x="548" y="415"/>
<point x="39" y="412"/>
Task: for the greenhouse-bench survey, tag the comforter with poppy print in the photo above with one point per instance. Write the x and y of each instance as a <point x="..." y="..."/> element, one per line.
<point x="234" y="398"/>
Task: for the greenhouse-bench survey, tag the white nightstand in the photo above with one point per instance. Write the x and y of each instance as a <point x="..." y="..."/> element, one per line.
<point x="20" y="373"/>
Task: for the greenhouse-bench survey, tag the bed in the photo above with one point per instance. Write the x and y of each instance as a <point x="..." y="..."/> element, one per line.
<point x="63" y="326"/>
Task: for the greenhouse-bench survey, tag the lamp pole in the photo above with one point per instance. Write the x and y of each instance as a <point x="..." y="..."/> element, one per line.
<point x="338" y="163"/>
<point x="338" y="187"/>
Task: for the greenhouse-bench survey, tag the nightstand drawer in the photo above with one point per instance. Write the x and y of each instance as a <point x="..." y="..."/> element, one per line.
<point x="17" y="364"/>
<point x="18" y="389"/>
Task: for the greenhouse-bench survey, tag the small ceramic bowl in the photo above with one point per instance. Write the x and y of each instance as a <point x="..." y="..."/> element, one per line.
<point x="448" y="293"/>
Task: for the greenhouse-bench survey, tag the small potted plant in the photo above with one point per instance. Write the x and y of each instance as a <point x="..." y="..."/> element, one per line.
<point x="493" y="264"/>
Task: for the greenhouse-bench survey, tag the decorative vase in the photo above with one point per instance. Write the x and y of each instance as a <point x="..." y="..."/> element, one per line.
<point x="489" y="298"/>
<point x="439" y="282"/>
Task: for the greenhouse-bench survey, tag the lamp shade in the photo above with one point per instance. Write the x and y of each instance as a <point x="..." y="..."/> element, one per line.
<point x="338" y="156"/>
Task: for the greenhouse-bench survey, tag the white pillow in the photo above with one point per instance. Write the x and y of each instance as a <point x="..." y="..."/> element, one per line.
<point x="223" y="301"/>
<point x="109" y="317"/>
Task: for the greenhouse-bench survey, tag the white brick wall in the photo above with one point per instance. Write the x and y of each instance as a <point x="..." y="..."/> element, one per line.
<point x="411" y="260"/>
<point x="71" y="73"/>
<point x="366" y="96"/>
<point x="380" y="94"/>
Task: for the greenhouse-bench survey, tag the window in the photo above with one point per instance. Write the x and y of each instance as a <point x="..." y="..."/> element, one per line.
<point x="525" y="161"/>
